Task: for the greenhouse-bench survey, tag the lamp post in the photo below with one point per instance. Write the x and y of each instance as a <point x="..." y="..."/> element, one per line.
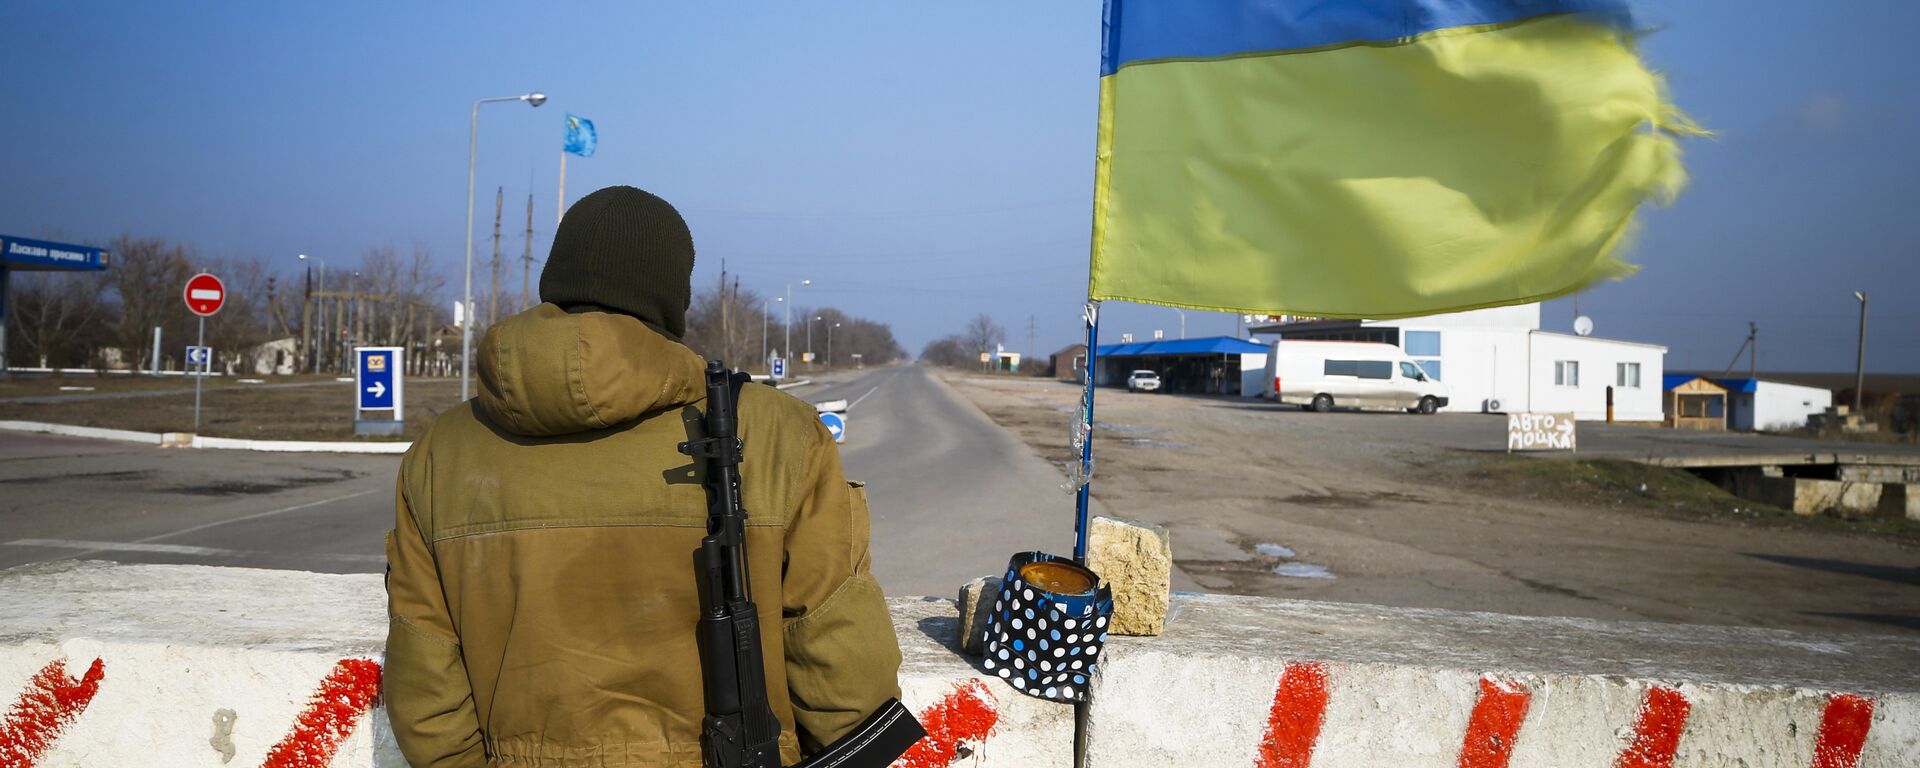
<point x="786" y="346"/>
<point x="1183" y="321"/>
<point x="766" y="312"/>
<point x="466" y="302"/>
<point x="830" y="345"/>
<point x="810" y="323"/>
<point x="1860" y="359"/>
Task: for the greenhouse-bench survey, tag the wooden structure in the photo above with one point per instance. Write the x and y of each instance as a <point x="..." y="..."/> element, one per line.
<point x="1692" y="402"/>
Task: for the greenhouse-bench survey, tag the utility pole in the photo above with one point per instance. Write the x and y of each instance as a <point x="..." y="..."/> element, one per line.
<point x="1030" y="335"/>
<point x="526" y="260"/>
<point x="493" y="295"/>
<point x="1753" y="350"/>
<point x="1860" y="360"/>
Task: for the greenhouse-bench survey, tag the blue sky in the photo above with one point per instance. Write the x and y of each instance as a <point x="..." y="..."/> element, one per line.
<point x="921" y="162"/>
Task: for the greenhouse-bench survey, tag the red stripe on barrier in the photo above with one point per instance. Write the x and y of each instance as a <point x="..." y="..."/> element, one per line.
<point x="344" y="695"/>
<point x="1293" y="725"/>
<point x="50" y="703"/>
<point x="956" y="725"/>
<point x="1843" y="731"/>
<point x="1495" y="723"/>
<point x="1656" y="730"/>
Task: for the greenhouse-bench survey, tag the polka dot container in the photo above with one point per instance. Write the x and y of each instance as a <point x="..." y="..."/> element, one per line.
<point x="1047" y="644"/>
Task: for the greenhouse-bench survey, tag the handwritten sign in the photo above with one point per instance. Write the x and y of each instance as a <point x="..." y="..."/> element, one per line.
<point x="1540" y="432"/>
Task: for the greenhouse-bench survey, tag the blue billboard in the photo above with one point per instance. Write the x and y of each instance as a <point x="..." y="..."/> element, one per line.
<point x="27" y="253"/>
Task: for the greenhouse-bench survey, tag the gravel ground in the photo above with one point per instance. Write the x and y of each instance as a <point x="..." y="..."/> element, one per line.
<point x="1375" y="508"/>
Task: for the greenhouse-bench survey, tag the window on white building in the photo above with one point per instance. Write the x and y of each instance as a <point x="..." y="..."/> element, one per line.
<point x="1627" y="375"/>
<point x="1566" y="373"/>
<point x="1424" y="347"/>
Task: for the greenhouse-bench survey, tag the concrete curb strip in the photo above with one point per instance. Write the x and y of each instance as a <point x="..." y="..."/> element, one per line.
<point x="182" y="439"/>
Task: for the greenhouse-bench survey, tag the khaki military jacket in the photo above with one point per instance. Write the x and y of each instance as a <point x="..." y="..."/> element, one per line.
<point x="540" y="572"/>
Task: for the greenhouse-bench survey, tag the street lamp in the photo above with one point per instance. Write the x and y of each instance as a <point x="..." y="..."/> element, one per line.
<point x="473" y="142"/>
<point x="1183" y="320"/>
<point x="810" y="337"/>
<point x="766" y="316"/>
<point x="1860" y="360"/>
<point x="786" y="347"/>
<point x="830" y="345"/>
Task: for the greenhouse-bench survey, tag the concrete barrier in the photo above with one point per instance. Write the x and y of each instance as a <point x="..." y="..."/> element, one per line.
<point x="104" y="664"/>
<point x="170" y="665"/>
<point x="1241" y="681"/>
<point x="190" y="440"/>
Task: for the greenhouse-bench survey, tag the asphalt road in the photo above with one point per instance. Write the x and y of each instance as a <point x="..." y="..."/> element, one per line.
<point x="952" y="495"/>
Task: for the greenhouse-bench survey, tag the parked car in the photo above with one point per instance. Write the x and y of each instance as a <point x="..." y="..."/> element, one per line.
<point x="1143" y="381"/>
<point x="1324" y="375"/>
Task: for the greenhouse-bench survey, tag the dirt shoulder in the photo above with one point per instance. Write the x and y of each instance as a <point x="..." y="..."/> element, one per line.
<point x="280" y="408"/>
<point x="1357" y="507"/>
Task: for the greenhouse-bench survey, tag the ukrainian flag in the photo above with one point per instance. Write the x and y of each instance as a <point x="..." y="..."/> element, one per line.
<point x="1371" y="158"/>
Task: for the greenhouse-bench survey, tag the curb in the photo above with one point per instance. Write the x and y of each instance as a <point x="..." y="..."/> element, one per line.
<point x="188" y="440"/>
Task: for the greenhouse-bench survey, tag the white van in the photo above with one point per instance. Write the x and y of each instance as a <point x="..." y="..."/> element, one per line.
<point x="1324" y="375"/>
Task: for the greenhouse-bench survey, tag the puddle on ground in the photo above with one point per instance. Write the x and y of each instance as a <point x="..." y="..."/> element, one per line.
<point x="1147" y="442"/>
<point x="1273" y="550"/>
<point x="1302" y="571"/>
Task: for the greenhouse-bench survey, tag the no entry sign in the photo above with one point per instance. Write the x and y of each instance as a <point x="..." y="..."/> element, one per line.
<point x="205" y="294"/>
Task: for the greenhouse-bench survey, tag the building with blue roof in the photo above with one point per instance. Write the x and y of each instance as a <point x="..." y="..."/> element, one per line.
<point x="1214" y="365"/>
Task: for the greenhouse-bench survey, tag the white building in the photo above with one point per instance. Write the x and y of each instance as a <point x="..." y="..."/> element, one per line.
<point x="1498" y="360"/>
<point x="1758" y="405"/>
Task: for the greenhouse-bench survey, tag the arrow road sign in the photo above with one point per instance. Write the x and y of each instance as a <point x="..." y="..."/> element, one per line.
<point x="377" y="382"/>
<point x="199" y="357"/>
<point x="836" y="425"/>
<point x="205" y="294"/>
<point x="779" y="368"/>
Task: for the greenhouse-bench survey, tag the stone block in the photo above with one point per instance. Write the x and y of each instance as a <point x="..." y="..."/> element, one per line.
<point x="1136" y="560"/>
<point x="976" y="606"/>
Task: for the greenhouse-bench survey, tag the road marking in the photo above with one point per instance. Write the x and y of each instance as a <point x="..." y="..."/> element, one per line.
<point x="876" y="388"/>
<point x="254" y="516"/>
<point x="1293" y="725"/>
<point x="181" y="549"/>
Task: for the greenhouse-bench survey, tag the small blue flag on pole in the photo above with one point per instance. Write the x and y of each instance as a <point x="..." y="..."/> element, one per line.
<point x="581" y="140"/>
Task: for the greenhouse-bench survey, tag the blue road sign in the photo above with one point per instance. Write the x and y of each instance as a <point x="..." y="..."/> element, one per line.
<point x="200" y="357"/>
<point x="377" y="385"/>
<point x="26" y="253"/>
<point x="836" y="425"/>
<point x="779" y="368"/>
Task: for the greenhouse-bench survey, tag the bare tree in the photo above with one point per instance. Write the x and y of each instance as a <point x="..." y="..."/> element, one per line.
<point x="51" y="317"/>
<point x="982" y="334"/>
<point x="243" y="322"/>
<point x="148" y="276"/>
<point x="947" y="350"/>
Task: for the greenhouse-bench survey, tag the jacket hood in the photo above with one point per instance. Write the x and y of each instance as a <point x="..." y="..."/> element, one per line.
<point x="545" y="372"/>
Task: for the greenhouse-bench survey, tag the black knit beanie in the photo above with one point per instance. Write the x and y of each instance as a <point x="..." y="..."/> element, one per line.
<point x="623" y="250"/>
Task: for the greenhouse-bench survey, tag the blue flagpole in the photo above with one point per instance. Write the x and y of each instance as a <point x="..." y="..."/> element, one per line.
<point x="1086" y="436"/>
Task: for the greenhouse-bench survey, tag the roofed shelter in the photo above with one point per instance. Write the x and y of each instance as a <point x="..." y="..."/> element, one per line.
<point x="1215" y="365"/>
<point x="1693" y="402"/>
<point x="27" y="254"/>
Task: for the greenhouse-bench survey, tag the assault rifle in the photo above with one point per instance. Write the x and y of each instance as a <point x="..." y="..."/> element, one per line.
<point x="740" y="730"/>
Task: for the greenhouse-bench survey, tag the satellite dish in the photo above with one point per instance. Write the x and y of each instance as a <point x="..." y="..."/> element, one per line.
<point x="1583" y="325"/>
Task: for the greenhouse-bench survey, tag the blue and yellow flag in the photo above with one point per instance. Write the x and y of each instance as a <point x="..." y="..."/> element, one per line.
<point x="581" y="139"/>
<point x="1372" y="158"/>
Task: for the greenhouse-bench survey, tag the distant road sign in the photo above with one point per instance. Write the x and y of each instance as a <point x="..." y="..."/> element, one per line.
<point x="377" y="382"/>
<point x="200" y="357"/>
<point x="779" y="370"/>
<point x="836" y="425"/>
<point x="205" y="294"/>
<point x="27" y="253"/>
